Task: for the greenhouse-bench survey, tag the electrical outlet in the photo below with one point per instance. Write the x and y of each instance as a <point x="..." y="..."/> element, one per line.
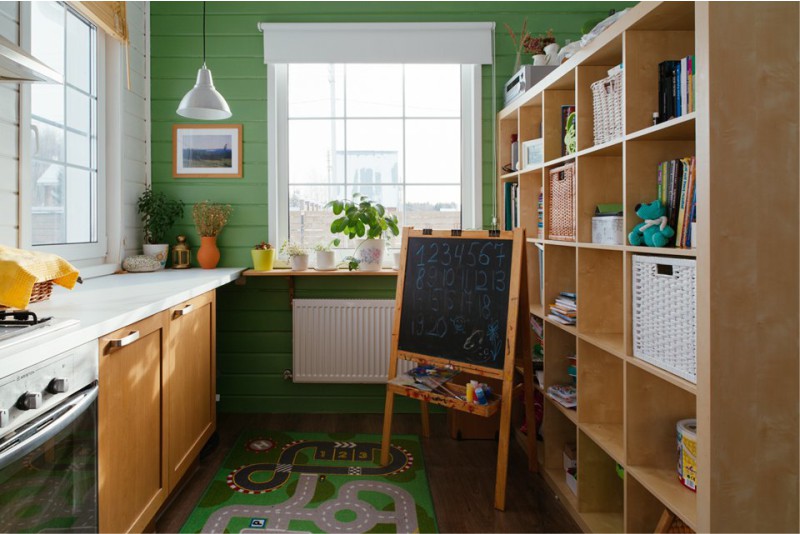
<point x="217" y="397"/>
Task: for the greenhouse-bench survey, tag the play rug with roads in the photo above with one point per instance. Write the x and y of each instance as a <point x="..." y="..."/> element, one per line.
<point x="300" y="482"/>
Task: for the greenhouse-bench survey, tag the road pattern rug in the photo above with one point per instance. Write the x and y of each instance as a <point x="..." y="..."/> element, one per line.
<point x="301" y="482"/>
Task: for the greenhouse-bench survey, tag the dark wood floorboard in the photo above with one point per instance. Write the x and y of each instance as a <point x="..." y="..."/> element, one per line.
<point x="460" y="473"/>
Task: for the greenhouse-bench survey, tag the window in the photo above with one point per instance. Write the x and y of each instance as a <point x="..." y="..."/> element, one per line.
<point x="401" y="134"/>
<point x="67" y="194"/>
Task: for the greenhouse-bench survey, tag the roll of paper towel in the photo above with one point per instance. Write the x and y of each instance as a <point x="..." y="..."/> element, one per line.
<point x="687" y="452"/>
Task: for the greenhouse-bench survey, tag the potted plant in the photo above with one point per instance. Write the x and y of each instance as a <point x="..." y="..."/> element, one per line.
<point x="326" y="259"/>
<point x="298" y="255"/>
<point x="158" y="214"/>
<point x="263" y="256"/>
<point x="359" y="217"/>
<point x="525" y="42"/>
<point x="209" y="219"/>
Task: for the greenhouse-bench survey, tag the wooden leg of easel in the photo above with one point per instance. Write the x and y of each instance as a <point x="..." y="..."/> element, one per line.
<point x="387" y="427"/>
<point x="502" y="447"/>
<point x="426" y="420"/>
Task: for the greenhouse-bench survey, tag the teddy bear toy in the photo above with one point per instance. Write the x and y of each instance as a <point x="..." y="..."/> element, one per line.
<point x="654" y="231"/>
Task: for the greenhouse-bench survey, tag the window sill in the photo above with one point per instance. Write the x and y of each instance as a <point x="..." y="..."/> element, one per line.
<point x="314" y="272"/>
<point x="96" y="271"/>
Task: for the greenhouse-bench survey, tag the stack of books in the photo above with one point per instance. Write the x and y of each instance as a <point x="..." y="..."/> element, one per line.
<point x="564" y="394"/>
<point x="676" y="90"/>
<point x="540" y="215"/>
<point x="677" y="192"/>
<point x="565" y="309"/>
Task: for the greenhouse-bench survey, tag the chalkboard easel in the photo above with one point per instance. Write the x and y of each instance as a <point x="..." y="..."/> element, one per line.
<point x="462" y="303"/>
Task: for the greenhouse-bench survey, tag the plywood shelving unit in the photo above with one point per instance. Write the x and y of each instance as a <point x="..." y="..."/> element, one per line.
<point x="628" y="408"/>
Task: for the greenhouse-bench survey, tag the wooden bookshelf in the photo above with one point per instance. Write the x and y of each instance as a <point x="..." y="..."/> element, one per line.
<point x="748" y="290"/>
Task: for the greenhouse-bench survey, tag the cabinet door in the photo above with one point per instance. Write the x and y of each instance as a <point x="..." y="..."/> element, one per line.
<point x="130" y="425"/>
<point x="192" y="382"/>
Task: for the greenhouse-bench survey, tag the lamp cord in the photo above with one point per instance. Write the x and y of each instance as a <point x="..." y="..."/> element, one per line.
<point x="204" y="33"/>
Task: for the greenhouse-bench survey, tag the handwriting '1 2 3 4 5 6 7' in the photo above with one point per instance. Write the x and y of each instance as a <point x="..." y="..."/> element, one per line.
<point x="455" y="299"/>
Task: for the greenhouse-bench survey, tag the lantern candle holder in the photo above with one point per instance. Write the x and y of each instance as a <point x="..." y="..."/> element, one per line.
<point x="181" y="254"/>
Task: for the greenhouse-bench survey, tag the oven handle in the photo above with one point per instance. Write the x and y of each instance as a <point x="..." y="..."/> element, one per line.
<point x="48" y="426"/>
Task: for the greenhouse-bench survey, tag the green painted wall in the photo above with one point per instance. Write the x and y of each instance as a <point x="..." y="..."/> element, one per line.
<point x="254" y="341"/>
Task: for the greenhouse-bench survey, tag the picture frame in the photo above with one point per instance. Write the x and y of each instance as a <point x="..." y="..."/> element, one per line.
<point x="532" y="153"/>
<point x="207" y="151"/>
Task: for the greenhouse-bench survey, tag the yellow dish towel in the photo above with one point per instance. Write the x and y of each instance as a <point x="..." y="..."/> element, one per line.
<point x="20" y="269"/>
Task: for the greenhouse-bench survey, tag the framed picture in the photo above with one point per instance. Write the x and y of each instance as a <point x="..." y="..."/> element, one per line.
<point x="532" y="153"/>
<point x="207" y="151"/>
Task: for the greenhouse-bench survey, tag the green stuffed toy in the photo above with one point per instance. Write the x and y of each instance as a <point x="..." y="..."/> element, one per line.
<point x="654" y="231"/>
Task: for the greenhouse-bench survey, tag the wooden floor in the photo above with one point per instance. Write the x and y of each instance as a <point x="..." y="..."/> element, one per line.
<point x="460" y="473"/>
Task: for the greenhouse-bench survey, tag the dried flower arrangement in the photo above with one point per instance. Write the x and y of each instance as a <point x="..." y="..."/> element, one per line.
<point x="525" y="42"/>
<point x="210" y="218"/>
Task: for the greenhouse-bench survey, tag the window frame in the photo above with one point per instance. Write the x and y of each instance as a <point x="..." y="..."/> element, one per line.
<point x="81" y="254"/>
<point x="278" y="149"/>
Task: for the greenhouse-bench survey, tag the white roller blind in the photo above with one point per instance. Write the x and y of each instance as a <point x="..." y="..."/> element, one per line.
<point x="417" y="42"/>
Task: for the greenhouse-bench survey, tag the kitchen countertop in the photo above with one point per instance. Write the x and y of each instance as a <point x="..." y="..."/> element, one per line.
<point x="105" y="304"/>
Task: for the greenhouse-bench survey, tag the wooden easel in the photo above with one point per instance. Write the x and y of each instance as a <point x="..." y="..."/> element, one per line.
<point x="517" y="357"/>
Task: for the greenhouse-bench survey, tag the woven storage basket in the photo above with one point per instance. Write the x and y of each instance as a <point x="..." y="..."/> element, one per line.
<point x="664" y="314"/>
<point x="607" y="103"/>
<point x="562" y="203"/>
<point x="41" y="291"/>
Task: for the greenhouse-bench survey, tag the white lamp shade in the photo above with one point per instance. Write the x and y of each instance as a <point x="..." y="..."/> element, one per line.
<point x="204" y="101"/>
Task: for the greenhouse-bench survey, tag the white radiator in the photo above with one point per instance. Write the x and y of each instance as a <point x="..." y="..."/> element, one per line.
<point x="341" y="341"/>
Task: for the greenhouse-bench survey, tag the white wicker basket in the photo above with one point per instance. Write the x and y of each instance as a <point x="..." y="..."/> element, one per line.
<point x="664" y="314"/>
<point x="607" y="103"/>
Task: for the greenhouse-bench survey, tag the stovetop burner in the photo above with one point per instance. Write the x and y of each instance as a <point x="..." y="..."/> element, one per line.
<point x="17" y="318"/>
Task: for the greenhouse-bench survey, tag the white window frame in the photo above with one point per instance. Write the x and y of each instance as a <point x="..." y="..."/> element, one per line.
<point x="278" y="149"/>
<point x="91" y="258"/>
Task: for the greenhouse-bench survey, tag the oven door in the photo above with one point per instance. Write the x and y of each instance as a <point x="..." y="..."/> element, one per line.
<point x="48" y="470"/>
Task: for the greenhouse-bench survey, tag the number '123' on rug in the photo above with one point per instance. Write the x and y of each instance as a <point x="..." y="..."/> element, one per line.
<point x="312" y="482"/>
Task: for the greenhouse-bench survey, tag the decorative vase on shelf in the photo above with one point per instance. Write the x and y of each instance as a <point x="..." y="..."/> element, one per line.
<point x="369" y="254"/>
<point x="159" y="252"/>
<point x="208" y="254"/>
<point x="540" y="60"/>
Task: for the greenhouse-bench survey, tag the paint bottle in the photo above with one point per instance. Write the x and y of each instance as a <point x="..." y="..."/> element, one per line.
<point x="470" y="392"/>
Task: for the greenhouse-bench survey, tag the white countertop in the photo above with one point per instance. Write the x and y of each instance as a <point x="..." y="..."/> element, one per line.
<point x="105" y="304"/>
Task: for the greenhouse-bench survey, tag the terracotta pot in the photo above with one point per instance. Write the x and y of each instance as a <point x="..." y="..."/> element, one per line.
<point x="208" y="255"/>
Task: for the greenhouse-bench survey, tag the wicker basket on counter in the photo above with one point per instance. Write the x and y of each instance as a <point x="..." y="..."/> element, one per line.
<point x="562" y="203"/>
<point x="41" y="291"/>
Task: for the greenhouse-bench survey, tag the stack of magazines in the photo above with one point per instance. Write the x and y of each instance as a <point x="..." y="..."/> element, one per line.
<point x="565" y="309"/>
<point x="564" y="394"/>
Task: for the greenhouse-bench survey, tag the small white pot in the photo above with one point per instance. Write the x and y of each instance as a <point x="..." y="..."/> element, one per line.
<point x="299" y="263"/>
<point x="326" y="260"/>
<point x="369" y="254"/>
<point x="540" y="60"/>
<point x="159" y="252"/>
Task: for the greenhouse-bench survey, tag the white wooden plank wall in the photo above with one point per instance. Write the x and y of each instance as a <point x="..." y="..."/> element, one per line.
<point x="9" y="134"/>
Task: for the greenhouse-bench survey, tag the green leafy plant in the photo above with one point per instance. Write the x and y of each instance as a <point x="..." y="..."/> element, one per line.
<point x="158" y="213"/>
<point x="263" y="246"/>
<point x="291" y="249"/>
<point x="361" y="216"/>
<point x="210" y="218"/>
<point x="325" y="247"/>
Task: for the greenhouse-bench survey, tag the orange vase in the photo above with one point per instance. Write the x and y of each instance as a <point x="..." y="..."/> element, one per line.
<point x="208" y="254"/>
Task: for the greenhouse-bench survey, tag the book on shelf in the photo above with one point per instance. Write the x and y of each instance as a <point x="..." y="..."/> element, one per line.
<point x="564" y="394"/>
<point x="540" y="214"/>
<point x="565" y="113"/>
<point x="677" y="192"/>
<point x="511" y="205"/>
<point x="676" y="88"/>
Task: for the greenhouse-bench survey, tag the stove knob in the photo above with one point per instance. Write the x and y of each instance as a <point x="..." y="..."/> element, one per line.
<point x="4" y="418"/>
<point x="30" y="401"/>
<point x="58" y="385"/>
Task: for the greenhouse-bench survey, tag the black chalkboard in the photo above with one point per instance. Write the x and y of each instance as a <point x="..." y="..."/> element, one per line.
<point x="455" y="299"/>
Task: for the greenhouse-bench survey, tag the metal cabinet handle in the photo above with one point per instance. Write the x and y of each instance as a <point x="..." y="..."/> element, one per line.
<point x="186" y="310"/>
<point x="125" y="341"/>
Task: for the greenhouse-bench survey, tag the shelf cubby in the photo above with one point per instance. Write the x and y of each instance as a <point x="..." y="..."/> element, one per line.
<point x="558" y="346"/>
<point x="600" y="489"/>
<point x="653" y="408"/>
<point x="534" y="279"/>
<point x="644" y="50"/>
<point x="560" y="430"/>
<point x="600" y="297"/>
<point x="641" y="172"/>
<point x="644" y="510"/>
<point x="600" y="376"/>
<point x="600" y="182"/>
<point x="530" y="123"/>
<point x="530" y="184"/>
<point x="552" y="100"/>
<point x="559" y="271"/>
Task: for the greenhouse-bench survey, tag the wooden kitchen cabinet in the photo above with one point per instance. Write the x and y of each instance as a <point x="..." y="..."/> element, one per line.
<point x="191" y="382"/>
<point x="131" y="423"/>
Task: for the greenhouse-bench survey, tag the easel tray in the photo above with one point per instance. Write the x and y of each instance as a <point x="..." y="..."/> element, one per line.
<point x="484" y="410"/>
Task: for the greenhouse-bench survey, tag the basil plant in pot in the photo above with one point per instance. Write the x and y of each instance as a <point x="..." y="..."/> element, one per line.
<point x="361" y="217"/>
<point x="158" y="213"/>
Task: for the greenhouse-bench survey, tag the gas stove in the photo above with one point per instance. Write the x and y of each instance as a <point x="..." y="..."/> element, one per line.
<point x="21" y="326"/>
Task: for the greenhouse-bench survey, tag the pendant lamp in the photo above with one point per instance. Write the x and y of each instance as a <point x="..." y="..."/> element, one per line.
<point x="203" y="101"/>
